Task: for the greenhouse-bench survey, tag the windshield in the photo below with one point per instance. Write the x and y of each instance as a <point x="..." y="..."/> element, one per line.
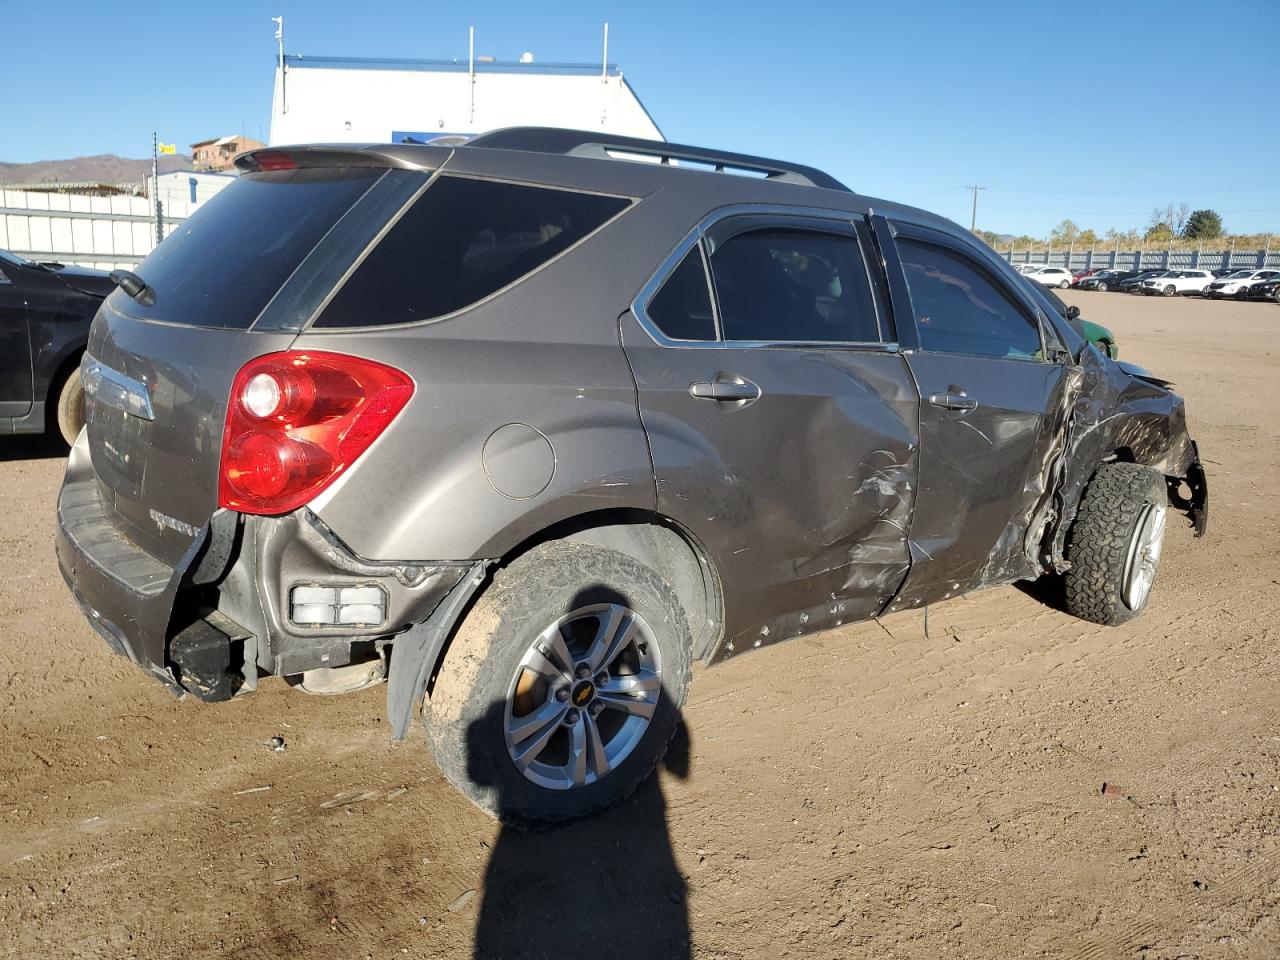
<point x="1239" y="275"/>
<point x="14" y="259"/>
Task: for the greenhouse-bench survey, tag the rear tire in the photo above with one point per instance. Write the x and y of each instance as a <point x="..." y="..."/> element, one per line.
<point x="1115" y="543"/>
<point x="70" y="407"/>
<point x="488" y="695"/>
<point x="1064" y="284"/>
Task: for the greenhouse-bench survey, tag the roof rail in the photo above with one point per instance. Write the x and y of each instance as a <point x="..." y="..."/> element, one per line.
<point x="584" y="143"/>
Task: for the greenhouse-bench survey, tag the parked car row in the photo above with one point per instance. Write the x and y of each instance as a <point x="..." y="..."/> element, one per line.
<point x="1248" y="284"/>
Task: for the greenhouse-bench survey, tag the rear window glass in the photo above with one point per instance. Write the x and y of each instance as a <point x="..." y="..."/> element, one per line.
<point x="463" y="240"/>
<point x="222" y="265"/>
<point x="682" y="308"/>
<point x="799" y="286"/>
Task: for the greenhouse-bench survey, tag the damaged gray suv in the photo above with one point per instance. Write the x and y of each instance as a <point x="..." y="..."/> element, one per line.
<point x="523" y="427"/>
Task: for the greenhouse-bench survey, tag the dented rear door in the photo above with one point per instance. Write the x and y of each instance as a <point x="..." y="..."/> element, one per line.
<point x="791" y="461"/>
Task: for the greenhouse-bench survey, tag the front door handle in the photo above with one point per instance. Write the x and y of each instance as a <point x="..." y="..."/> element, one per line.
<point x="725" y="388"/>
<point x="954" y="401"/>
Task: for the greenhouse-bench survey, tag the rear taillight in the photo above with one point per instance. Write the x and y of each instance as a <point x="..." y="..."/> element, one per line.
<point x="296" y="420"/>
<point x="273" y="160"/>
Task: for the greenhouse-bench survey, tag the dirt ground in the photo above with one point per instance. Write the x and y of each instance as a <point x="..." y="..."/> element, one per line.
<point x="1017" y="784"/>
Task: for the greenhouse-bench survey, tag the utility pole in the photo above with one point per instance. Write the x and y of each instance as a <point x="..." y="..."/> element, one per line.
<point x="155" y="185"/>
<point x="284" y="97"/>
<point x="973" y="222"/>
<point x="471" y="72"/>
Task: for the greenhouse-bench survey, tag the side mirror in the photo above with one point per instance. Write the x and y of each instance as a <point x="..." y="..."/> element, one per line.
<point x="1073" y="312"/>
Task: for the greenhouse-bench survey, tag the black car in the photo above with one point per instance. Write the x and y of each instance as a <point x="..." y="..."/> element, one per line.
<point x="1105" y="280"/>
<point x="45" y="311"/>
<point x="1268" y="289"/>
<point x="1134" y="283"/>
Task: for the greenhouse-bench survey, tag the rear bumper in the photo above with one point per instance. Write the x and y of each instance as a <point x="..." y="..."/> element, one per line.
<point x="126" y="594"/>
<point x="209" y="624"/>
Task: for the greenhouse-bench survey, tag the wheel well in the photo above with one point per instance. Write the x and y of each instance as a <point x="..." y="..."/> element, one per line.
<point x="60" y="375"/>
<point x="662" y="545"/>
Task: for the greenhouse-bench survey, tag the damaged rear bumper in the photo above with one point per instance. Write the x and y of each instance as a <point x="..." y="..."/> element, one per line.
<point x="213" y="622"/>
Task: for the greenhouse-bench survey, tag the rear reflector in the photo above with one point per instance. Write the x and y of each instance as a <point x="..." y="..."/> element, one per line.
<point x="296" y="420"/>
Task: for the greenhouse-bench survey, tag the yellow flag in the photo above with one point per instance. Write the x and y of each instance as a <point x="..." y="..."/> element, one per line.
<point x="168" y="148"/>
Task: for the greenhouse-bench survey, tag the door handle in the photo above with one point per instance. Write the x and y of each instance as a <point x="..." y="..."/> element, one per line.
<point x="954" y="401"/>
<point x="725" y="388"/>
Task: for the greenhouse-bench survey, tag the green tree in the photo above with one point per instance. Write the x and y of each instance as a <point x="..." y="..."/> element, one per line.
<point x="1203" y="225"/>
<point x="1065" y="233"/>
<point x="1158" y="233"/>
<point x="1087" y="238"/>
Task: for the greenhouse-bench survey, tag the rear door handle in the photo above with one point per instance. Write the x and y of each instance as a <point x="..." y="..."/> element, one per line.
<point x="725" y="388"/>
<point x="954" y="401"/>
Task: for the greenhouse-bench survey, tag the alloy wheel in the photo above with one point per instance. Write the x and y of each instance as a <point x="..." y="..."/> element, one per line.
<point x="582" y="696"/>
<point x="1144" y="555"/>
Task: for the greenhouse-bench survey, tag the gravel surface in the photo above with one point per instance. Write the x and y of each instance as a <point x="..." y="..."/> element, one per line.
<point x="1016" y="784"/>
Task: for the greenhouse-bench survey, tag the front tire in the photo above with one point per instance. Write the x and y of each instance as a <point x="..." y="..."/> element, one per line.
<point x="70" y="407"/>
<point x="1116" y="542"/>
<point x="563" y="686"/>
<point x="1102" y="286"/>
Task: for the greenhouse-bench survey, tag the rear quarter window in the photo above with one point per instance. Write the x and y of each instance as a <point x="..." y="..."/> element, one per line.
<point x="463" y="240"/>
<point x="222" y="265"/>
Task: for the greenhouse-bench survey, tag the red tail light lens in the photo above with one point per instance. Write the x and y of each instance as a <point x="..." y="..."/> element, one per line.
<point x="272" y="160"/>
<point x="296" y="420"/>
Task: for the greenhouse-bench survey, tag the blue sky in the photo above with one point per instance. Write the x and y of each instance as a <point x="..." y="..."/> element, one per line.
<point x="1094" y="111"/>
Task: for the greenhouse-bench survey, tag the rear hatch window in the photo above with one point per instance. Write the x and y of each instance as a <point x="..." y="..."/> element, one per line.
<point x="463" y="240"/>
<point x="220" y="267"/>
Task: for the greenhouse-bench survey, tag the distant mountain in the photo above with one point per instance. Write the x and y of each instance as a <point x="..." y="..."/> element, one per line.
<point x="104" y="168"/>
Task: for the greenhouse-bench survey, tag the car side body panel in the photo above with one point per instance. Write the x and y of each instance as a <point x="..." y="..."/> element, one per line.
<point x="44" y="325"/>
<point x="802" y="497"/>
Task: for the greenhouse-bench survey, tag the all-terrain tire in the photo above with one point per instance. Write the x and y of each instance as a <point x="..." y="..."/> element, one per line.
<point x="70" y="407"/>
<point x="1113" y="506"/>
<point x="465" y="716"/>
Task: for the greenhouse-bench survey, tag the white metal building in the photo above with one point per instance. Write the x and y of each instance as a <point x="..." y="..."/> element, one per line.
<point x="348" y="100"/>
<point x="188" y="189"/>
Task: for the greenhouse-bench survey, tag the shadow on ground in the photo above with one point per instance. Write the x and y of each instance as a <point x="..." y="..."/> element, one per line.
<point x="32" y="447"/>
<point x="607" y="886"/>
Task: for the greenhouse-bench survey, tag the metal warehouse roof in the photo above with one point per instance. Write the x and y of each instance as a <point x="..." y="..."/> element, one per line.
<point x="379" y="100"/>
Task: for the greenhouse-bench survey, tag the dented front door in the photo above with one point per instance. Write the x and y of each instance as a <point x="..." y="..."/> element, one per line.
<point x="990" y="426"/>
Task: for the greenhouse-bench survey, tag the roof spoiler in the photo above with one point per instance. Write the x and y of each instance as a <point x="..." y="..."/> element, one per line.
<point x="584" y="143"/>
<point x="407" y="157"/>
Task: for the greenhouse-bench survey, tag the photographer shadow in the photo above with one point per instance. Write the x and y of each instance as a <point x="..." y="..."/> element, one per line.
<point x="607" y="886"/>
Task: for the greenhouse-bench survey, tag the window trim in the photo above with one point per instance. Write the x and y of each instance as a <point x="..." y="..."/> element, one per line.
<point x="1031" y="313"/>
<point x="806" y="218"/>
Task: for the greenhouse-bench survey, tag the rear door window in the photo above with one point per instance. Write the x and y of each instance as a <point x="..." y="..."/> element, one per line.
<point x="681" y="308"/>
<point x="222" y="265"/>
<point x="959" y="309"/>
<point x="794" y="285"/>
<point x="463" y="240"/>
